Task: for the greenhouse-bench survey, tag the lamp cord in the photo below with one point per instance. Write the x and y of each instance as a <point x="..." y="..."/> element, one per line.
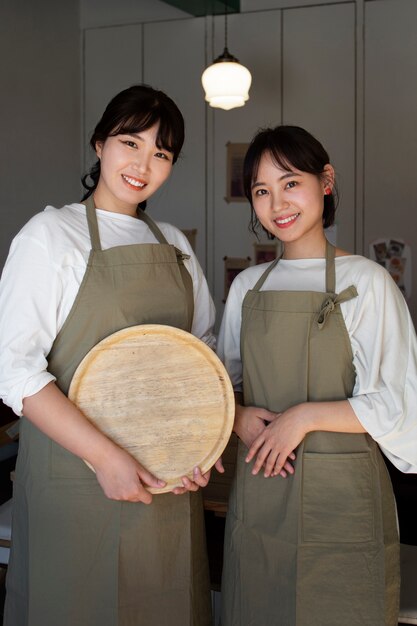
<point x="225" y="27"/>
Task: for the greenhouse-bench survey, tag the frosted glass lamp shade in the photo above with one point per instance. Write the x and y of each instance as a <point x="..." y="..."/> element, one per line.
<point x="226" y="84"/>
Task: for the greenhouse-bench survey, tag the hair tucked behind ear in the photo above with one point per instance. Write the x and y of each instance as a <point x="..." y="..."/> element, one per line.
<point x="131" y="111"/>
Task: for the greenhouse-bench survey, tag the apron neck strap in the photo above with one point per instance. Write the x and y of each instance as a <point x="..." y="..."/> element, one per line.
<point x="92" y="222"/>
<point x="266" y="273"/>
<point x="151" y="225"/>
<point x="330" y="270"/>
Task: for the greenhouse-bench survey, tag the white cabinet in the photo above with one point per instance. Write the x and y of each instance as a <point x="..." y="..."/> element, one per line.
<point x="174" y="57"/>
<point x="112" y="62"/>
<point x="312" y="66"/>
<point x="391" y="125"/>
<point x="319" y="93"/>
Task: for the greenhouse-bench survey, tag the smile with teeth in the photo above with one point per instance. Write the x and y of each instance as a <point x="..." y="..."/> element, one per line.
<point x="286" y="220"/>
<point x="134" y="182"/>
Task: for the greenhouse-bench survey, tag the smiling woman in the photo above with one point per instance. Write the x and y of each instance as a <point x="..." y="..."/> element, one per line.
<point x="74" y="276"/>
<point x="322" y="353"/>
<point x="133" y="167"/>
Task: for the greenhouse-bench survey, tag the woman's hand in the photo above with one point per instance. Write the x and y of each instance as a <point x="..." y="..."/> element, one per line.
<point x="250" y="426"/>
<point x="276" y="444"/>
<point x="199" y="479"/>
<point x="122" y="478"/>
<point x="250" y="422"/>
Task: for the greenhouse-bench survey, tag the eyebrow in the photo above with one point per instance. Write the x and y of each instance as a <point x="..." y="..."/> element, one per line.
<point x="135" y="135"/>
<point x="283" y="177"/>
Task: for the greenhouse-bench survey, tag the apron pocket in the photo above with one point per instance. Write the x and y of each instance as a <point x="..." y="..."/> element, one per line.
<point x="337" y="498"/>
<point x="64" y="465"/>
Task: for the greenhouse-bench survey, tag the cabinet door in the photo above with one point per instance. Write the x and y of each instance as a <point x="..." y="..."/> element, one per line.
<point x="319" y="93"/>
<point x="174" y="54"/>
<point x="255" y="39"/>
<point x="391" y="125"/>
<point x="112" y="62"/>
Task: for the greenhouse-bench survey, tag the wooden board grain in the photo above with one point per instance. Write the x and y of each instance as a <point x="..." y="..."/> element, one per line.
<point x="161" y="394"/>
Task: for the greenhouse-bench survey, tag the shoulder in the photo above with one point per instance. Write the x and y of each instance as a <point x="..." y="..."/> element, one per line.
<point x="362" y="271"/>
<point x="176" y="237"/>
<point x="51" y="221"/>
<point x="170" y="230"/>
<point x="377" y="291"/>
<point x="55" y="234"/>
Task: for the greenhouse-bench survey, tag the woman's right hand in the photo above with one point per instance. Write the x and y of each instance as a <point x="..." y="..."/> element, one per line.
<point x="120" y="476"/>
<point x="250" y="422"/>
<point x="123" y="478"/>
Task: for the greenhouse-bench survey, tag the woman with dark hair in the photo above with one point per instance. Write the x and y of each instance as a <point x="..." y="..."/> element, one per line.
<point x="86" y="547"/>
<point x="322" y="353"/>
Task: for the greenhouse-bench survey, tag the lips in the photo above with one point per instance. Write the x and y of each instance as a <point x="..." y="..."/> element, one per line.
<point x="134" y="183"/>
<point x="285" y="222"/>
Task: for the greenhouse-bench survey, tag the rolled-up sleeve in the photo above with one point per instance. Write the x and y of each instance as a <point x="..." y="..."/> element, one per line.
<point x="385" y="358"/>
<point x="30" y="291"/>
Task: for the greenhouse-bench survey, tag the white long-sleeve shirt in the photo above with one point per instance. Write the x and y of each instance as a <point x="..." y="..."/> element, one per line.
<point x="382" y="336"/>
<point x="41" y="279"/>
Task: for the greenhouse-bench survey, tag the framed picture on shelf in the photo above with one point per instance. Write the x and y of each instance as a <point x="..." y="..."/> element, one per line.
<point x="234" y="181"/>
<point x="265" y="252"/>
<point x="232" y="267"/>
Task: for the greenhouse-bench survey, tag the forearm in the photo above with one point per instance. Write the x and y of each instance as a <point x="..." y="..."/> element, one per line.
<point x="282" y="436"/>
<point x="55" y="415"/>
<point x="337" y="417"/>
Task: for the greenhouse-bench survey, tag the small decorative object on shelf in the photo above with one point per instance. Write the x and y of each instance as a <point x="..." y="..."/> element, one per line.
<point x="235" y="157"/>
<point x="265" y="252"/>
<point x="232" y="267"/>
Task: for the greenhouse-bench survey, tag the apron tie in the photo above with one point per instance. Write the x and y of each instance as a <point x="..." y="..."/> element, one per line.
<point x="181" y="256"/>
<point x="332" y="301"/>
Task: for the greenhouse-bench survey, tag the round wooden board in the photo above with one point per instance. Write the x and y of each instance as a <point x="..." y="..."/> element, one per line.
<point x="161" y="394"/>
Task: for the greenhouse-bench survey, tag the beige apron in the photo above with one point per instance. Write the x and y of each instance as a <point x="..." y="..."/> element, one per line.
<point x="78" y="558"/>
<point x="319" y="548"/>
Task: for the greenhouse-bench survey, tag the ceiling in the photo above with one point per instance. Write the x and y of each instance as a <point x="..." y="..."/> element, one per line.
<point x="199" y="8"/>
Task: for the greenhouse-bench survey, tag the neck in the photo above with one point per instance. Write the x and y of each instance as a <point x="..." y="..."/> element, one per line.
<point x="314" y="249"/>
<point x="114" y="206"/>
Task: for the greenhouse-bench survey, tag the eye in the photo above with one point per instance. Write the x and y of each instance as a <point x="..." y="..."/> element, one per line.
<point x="260" y="192"/>
<point x="291" y="184"/>
<point x="163" y="155"/>
<point x="130" y="143"/>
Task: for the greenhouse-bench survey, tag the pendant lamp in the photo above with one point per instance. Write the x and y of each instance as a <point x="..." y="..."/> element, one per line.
<point x="226" y="82"/>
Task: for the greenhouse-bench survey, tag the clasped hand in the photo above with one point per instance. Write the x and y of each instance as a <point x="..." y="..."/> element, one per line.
<point x="270" y="437"/>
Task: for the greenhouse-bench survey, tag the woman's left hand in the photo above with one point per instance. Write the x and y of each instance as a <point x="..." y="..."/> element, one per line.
<point x="275" y="446"/>
<point x="199" y="479"/>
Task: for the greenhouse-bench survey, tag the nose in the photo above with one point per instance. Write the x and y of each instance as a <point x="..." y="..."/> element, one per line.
<point x="279" y="202"/>
<point x="142" y="161"/>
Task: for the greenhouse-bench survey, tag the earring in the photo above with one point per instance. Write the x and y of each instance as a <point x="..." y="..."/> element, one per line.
<point x="327" y="191"/>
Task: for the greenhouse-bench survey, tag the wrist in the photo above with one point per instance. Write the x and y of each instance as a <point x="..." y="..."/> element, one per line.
<point x="307" y="417"/>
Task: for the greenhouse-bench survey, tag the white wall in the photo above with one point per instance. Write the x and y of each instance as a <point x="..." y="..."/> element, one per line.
<point x="39" y="109"/>
<point x="345" y="70"/>
<point x="331" y="66"/>
<point x="390" y="141"/>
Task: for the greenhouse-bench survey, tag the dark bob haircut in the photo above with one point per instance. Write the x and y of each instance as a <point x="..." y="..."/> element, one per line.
<point x="290" y="147"/>
<point x="134" y="110"/>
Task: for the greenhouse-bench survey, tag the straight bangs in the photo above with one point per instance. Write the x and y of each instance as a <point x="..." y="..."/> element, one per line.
<point x="166" y="138"/>
<point x="290" y="154"/>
